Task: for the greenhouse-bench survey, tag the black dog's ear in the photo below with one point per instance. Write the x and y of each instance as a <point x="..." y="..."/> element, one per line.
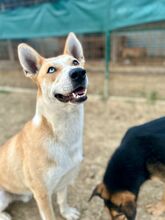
<point x="127" y="202"/>
<point x="130" y="210"/>
<point x="94" y="193"/>
<point x="101" y="191"/>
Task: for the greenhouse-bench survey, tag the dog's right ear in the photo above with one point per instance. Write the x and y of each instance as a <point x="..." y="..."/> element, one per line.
<point x="100" y="191"/>
<point x="29" y="59"/>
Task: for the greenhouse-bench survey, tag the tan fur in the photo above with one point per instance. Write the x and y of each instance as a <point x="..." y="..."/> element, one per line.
<point x="25" y="147"/>
<point x="122" y="198"/>
<point x="119" y="198"/>
<point x="102" y="191"/>
<point x="24" y="161"/>
<point x="125" y="200"/>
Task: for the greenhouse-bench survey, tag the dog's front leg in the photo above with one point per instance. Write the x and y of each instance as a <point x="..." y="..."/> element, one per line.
<point x="66" y="211"/>
<point x="44" y="202"/>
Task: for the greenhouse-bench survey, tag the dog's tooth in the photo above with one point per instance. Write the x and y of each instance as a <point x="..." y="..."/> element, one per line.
<point x="74" y="95"/>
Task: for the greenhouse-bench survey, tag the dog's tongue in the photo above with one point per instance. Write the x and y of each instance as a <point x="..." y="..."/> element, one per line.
<point x="79" y="91"/>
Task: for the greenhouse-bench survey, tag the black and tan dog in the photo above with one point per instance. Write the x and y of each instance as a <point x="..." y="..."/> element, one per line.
<point x="140" y="156"/>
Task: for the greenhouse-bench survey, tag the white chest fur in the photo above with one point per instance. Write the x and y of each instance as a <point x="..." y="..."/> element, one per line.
<point x="66" y="146"/>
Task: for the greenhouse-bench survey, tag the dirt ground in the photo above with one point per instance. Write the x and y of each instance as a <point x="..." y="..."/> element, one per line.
<point x="105" y="124"/>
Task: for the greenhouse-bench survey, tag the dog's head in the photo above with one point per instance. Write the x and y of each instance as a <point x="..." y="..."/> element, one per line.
<point x="120" y="205"/>
<point x="61" y="78"/>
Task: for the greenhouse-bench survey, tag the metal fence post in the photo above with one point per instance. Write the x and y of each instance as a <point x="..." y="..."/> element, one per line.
<point x="107" y="62"/>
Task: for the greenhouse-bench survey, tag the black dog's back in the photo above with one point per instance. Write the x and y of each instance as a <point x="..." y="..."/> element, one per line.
<point x="142" y="146"/>
<point x="150" y="128"/>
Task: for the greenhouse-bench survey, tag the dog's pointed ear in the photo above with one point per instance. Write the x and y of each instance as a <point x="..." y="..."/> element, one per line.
<point x="101" y="191"/>
<point x="73" y="47"/>
<point x="29" y="59"/>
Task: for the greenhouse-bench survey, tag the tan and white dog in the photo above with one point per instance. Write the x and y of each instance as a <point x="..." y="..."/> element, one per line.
<point x="44" y="157"/>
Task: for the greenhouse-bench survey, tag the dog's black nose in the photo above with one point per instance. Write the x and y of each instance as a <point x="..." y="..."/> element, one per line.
<point x="77" y="74"/>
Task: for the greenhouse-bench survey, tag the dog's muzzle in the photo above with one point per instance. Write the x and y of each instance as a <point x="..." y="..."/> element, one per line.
<point x="78" y="95"/>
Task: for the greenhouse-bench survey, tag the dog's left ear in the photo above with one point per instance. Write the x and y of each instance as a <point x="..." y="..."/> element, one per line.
<point x="73" y="47"/>
<point x="100" y="191"/>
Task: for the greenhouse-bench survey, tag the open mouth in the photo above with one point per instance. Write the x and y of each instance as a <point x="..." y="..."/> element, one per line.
<point x="76" y="96"/>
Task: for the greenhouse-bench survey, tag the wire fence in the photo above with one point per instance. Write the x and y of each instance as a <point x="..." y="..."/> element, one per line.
<point x="134" y="53"/>
<point x="93" y="46"/>
<point x="140" y="47"/>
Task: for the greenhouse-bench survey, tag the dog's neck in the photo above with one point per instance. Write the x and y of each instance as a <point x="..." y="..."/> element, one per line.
<point x="123" y="173"/>
<point x="57" y="113"/>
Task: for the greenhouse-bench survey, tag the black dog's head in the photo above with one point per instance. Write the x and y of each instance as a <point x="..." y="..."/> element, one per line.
<point x="121" y="205"/>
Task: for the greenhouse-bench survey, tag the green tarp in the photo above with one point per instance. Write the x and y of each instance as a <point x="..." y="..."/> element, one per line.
<point x="133" y="12"/>
<point x="79" y="16"/>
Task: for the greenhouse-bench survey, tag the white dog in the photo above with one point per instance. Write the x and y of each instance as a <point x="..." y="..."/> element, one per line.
<point x="44" y="157"/>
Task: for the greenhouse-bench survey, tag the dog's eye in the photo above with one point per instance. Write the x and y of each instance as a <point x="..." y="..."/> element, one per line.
<point x="75" y="63"/>
<point x="51" y="69"/>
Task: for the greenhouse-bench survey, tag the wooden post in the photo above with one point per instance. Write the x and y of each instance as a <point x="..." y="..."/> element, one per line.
<point x="10" y="51"/>
<point x="107" y="62"/>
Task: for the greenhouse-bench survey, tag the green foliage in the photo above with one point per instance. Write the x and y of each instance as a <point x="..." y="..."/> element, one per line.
<point x="152" y="97"/>
<point x="4" y="91"/>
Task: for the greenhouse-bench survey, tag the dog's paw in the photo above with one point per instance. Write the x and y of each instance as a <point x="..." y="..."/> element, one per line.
<point x="157" y="209"/>
<point x="4" y="216"/>
<point x="70" y="214"/>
